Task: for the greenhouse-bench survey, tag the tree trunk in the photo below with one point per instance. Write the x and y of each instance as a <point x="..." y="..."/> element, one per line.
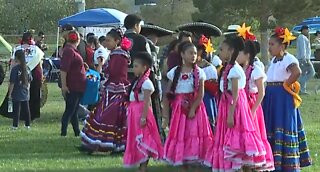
<point x="265" y="12"/>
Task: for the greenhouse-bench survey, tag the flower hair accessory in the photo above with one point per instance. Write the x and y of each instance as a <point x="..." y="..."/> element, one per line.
<point x="206" y="43"/>
<point x="126" y="44"/>
<point x="73" y="37"/>
<point x="245" y="33"/>
<point x="284" y="34"/>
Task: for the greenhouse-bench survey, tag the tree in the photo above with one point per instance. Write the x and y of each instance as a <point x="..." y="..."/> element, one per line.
<point x="117" y="4"/>
<point x="169" y="13"/>
<point x="18" y="15"/>
<point x="225" y="12"/>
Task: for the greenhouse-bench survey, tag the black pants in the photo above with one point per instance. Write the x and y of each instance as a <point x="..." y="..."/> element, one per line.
<point x="35" y="87"/>
<point x="70" y="114"/>
<point x="18" y="108"/>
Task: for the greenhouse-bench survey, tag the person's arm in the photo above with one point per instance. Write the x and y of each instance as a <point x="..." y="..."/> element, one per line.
<point x="302" y="51"/>
<point x="146" y="105"/>
<point x="295" y="73"/>
<point x="198" y="99"/>
<point x="261" y="92"/>
<point x="66" y="62"/>
<point x="64" y="87"/>
<point x="10" y="89"/>
<point x="235" y="91"/>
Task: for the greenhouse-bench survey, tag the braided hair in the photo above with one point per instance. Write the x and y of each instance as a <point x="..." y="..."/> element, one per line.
<point x="181" y="49"/>
<point x="146" y="59"/>
<point x="237" y="44"/>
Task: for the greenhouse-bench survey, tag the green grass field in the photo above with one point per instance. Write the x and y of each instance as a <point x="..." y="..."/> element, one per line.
<point x="42" y="149"/>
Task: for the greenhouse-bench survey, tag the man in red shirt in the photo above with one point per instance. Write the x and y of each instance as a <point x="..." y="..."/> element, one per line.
<point x="73" y="81"/>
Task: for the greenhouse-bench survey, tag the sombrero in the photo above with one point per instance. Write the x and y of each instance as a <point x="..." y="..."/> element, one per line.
<point x="148" y="29"/>
<point x="201" y="28"/>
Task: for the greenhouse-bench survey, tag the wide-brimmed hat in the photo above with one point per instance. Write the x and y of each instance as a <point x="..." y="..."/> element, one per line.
<point x="149" y="29"/>
<point x="201" y="28"/>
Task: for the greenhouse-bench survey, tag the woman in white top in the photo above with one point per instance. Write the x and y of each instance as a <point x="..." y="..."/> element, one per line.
<point x="210" y="84"/>
<point x="143" y="139"/>
<point x="283" y="121"/>
<point x="255" y="93"/>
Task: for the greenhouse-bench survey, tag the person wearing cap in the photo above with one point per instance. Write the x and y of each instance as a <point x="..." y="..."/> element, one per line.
<point x="101" y="53"/>
<point x="303" y="55"/>
<point x="65" y="29"/>
<point x="139" y="43"/>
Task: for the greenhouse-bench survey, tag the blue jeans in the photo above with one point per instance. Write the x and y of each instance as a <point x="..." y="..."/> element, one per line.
<point x="308" y="73"/>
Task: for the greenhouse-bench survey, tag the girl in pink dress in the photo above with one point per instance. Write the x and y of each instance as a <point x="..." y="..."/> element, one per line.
<point x="255" y="92"/>
<point x="237" y="142"/>
<point x="190" y="138"/>
<point x="143" y="139"/>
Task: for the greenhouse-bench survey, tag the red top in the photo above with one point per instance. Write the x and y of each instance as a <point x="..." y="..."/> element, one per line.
<point x="37" y="73"/>
<point x="72" y="64"/>
<point x="117" y="69"/>
<point x="89" y="60"/>
<point x="174" y="59"/>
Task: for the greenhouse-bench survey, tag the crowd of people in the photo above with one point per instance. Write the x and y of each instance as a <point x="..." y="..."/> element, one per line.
<point x="217" y="109"/>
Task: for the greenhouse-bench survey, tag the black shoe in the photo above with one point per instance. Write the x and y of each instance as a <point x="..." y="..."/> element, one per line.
<point x="63" y="134"/>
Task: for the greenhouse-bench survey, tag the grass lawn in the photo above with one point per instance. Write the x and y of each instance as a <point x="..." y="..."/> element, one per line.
<point x="42" y="149"/>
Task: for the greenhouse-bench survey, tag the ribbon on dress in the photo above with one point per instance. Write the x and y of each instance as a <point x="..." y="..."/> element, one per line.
<point x="294" y="90"/>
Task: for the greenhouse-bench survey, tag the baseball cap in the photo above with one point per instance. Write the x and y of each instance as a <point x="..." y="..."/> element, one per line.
<point x="304" y="27"/>
<point x="67" y="27"/>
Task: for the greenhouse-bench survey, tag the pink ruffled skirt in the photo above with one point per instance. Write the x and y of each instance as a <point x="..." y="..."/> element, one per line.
<point x="261" y="129"/>
<point x="142" y="142"/>
<point x="189" y="140"/>
<point x="238" y="146"/>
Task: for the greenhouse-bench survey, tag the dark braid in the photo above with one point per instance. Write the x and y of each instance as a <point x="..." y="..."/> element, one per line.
<point x="177" y="73"/>
<point x="130" y="89"/>
<point x="181" y="49"/>
<point x="237" y="44"/>
<point x="250" y="49"/>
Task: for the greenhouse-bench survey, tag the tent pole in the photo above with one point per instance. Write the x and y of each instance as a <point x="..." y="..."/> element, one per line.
<point x="57" y="45"/>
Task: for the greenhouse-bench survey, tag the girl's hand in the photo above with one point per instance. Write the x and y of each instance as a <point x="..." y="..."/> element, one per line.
<point x="192" y="113"/>
<point x="143" y="122"/>
<point x="230" y="120"/>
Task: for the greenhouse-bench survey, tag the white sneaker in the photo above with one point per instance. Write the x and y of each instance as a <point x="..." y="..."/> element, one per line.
<point x="27" y="127"/>
<point x="14" y="128"/>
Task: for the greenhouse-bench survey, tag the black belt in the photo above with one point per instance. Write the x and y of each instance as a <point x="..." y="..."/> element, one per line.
<point x="274" y="83"/>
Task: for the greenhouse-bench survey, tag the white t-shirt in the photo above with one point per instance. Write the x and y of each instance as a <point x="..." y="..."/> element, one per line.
<point x="277" y="71"/>
<point x="33" y="55"/>
<point x="211" y="72"/>
<point x="235" y="72"/>
<point x="101" y="52"/>
<point x="187" y="85"/>
<point x="256" y="73"/>
<point x="147" y="85"/>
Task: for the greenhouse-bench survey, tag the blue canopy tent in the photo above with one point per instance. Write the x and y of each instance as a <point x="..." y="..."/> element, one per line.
<point x="96" y="17"/>
<point x="313" y="23"/>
